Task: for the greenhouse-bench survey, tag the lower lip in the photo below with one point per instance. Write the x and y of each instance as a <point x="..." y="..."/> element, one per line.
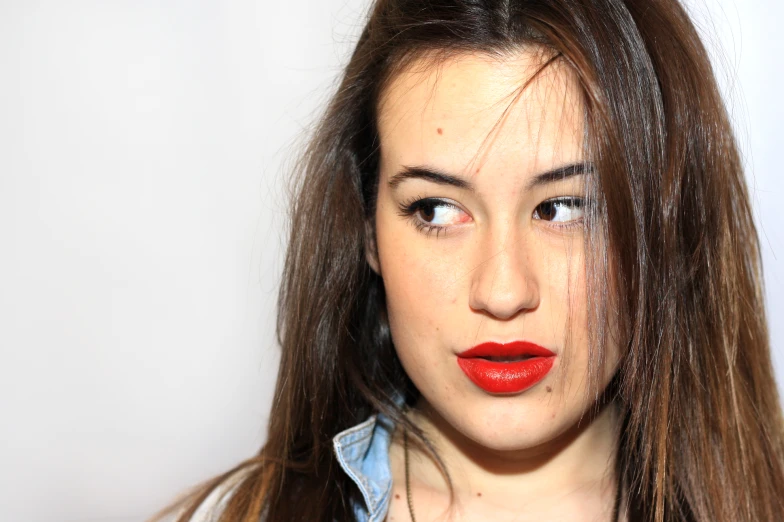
<point x="506" y="377"/>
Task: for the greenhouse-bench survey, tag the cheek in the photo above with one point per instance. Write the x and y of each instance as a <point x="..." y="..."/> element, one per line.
<point x="584" y="313"/>
<point x="576" y="297"/>
<point x="420" y="289"/>
<point x="568" y="308"/>
<point x="564" y="292"/>
<point x="420" y="283"/>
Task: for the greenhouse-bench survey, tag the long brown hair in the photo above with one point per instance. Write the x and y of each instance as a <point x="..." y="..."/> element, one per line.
<point x="703" y="437"/>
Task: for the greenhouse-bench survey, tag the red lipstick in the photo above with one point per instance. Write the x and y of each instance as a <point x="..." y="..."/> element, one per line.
<point x="506" y="368"/>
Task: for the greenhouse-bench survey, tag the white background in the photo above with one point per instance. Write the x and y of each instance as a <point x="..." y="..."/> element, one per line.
<point x="143" y="150"/>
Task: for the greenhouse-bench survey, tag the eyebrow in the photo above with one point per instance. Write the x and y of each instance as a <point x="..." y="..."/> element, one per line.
<point x="431" y="175"/>
<point x="442" y="178"/>
<point x="560" y="174"/>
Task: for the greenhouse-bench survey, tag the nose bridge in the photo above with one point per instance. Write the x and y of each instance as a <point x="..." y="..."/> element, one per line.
<point x="505" y="281"/>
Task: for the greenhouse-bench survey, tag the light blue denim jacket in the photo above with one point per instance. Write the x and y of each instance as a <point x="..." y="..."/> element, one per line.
<point x="363" y="453"/>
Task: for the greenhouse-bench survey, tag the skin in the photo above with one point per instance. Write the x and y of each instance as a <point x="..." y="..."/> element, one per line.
<point x="497" y="271"/>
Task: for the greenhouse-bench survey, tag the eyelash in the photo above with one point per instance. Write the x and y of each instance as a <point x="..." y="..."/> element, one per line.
<point x="410" y="208"/>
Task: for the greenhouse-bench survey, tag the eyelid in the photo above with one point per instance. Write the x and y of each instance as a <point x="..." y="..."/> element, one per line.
<point x="412" y="205"/>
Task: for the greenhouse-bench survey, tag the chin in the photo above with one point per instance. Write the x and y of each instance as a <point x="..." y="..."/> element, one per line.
<point x="509" y="423"/>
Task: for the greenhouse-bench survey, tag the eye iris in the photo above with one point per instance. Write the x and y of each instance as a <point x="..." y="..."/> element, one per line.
<point x="546" y="210"/>
<point x="428" y="212"/>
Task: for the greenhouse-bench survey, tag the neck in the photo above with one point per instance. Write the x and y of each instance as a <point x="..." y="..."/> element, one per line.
<point x="577" y="466"/>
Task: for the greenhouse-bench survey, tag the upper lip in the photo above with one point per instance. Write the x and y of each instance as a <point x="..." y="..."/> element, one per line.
<point x="510" y="349"/>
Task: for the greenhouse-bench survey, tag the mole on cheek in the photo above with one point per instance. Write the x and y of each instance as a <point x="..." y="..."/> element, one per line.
<point x="440" y="130"/>
<point x="549" y="389"/>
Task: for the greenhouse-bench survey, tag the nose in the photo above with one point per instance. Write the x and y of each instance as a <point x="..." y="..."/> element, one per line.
<point x="505" y="283"/>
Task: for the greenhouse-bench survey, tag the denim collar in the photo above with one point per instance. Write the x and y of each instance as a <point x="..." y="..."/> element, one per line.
<point x="363" y="454"/>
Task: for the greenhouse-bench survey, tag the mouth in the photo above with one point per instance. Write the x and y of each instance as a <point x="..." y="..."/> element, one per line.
<point x="507" y="358"/>
<point x="506" y="368"/>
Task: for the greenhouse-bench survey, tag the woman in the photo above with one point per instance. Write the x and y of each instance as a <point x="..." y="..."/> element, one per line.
<point x="522" y="282"/>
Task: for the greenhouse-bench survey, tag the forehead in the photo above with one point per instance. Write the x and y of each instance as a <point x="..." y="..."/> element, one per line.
<point x="472" y="113"/>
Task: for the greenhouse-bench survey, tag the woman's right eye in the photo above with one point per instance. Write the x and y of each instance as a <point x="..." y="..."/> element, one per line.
<point x="433" y="214"/>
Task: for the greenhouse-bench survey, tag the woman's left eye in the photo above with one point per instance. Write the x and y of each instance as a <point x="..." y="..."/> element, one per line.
<point x="561" y="210"/>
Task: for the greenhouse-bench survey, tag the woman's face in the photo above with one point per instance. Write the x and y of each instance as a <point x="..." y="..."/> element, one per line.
<point x="479" y="239"/>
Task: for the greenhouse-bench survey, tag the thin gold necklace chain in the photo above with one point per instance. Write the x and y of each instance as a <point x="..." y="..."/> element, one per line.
<point x="408" y="483"/>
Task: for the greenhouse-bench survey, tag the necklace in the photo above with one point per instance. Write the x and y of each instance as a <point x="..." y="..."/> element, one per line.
<point x="408" y="485"/>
